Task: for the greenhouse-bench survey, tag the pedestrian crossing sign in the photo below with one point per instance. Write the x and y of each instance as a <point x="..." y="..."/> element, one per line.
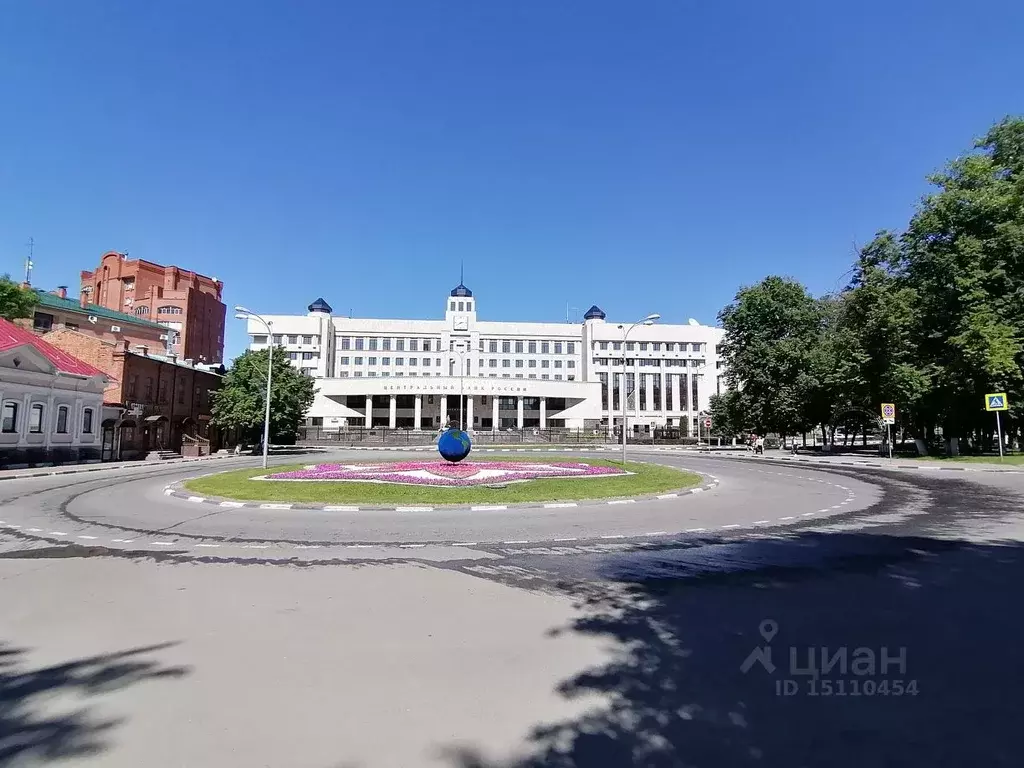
<point x="996" y="402"/>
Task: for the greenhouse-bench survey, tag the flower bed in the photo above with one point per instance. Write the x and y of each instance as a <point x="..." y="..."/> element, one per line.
<point x="443" y="474"/>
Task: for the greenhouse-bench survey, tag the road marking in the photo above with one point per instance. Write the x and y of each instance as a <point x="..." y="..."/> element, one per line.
<point x="655" y="533"/>
<point x="412" y="546"/>
<point x="414" y="509"/>
<point x="275" y="506"/>
<point x="360" y="546"/>
<point x="211" y="546"/>
<point x="761" y="522"/>
<point x="560" y="505"/>
<point x="517" y="541"/>
<point x="34" y="530"/>
<point x="696" y="490"/>
<point x="695" y="530"/>
<point x="168" y="491"/>
<point x="256" y="546"/>
<point x="123" y="541"/>
<point x="807" y="514"/>
<point x="614" y="536"/>
<point x="341" y="508"/>
<point x="486" y="507"/>
<point x="836" y="506"/>
<point x="669" y="496"/>
<point x="161" y="543"/>
<point x="196" y="499"/>
<point x="91" y="538"/>
<point x="307" y="546"/>
<point x="790" y="517"/>
<point x="734" y="525"/>
<point x="823" y="511"/>
<point x="58" y="533"/>
<point x="623" y="501"/>
<point x="570" y="538"/>
<point x="464" y="544"/>
<point x="232" y="504"/>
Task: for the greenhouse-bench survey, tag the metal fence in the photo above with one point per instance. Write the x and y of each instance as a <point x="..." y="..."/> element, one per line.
<point x="360" y="436"/>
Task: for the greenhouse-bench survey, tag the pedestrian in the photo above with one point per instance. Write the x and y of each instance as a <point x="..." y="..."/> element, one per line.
<point x="759" y="446"/>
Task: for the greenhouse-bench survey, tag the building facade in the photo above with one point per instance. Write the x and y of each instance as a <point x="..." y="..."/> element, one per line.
<point x="423" y="374"/>
<point x="50" y="402"/>
<point x="185" y="302"/>
<point x="152" y="402"/>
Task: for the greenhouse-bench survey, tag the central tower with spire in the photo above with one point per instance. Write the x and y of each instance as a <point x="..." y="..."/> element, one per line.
<point x="460" y="311"/>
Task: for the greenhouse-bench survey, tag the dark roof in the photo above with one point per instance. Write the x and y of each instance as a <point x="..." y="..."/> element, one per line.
<point x="320" y="306"/>
<point x="54" y="301"/>
<point x="13" y="336"/>
<point x="594" y="313"/>
<point x="461" y="291"/>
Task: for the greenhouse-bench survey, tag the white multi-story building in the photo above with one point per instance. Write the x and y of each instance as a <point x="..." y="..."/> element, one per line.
<point x="422" y="374"/>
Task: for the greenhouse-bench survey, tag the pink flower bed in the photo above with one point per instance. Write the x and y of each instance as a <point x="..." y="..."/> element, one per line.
<point x="445" y="474"/>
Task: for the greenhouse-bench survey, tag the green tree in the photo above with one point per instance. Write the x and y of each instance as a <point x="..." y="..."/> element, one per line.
<point x="771" y="331"/>
<point x="15" y="301"/>
<point x="728" y="414"/>
<point x="241" y="401"/>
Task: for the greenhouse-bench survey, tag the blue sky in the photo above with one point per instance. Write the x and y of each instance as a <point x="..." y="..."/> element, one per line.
<point x="646" y="156"/>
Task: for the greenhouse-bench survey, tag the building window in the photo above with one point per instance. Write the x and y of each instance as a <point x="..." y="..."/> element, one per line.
<point x="293" y="355"/>
<point x="371" y="360"/>
<point x="656" y="346"/>
<point x="143" y="310"/>
<point x="570" y="348"/>
<point x="358" y="360"/>
<point x="544" y="376"/>
<point x="414" y="345"/>
<point x="426" y="361"/>
<point x="558" y="363"/>
<point x="545" y="363"/>
<point x="462" y="306"/>
<point x="506" y="346"/>
<point x="695" y="347"/>
<point x="400" y="345"/>
<point x="437" y="362"/>
<point x="531" y="376"/>
<point x="558" y="377"/>
<point x="307" y="339"/>
<point x="308" y="355"/>
<point x="413" y="360"/>
<point x="506" y="363"/>
<point x="630" y="346"/>
<point x="278" y="338"/>
<point x="604" y="345"/>
<point x="35" y="418"/>
<point x="531" y="363"/>
<point x="617" y="345"/>
<point x="372" y="374"/>
<point x="346" y="342"/>
<point x="570" y="377"/>
<point x="42" y="321"/>
<point x="643" y="346"/>
<point x="519" y="375"/>
<point x="62" y="420"/>
<point x="167" y="309"/>
<point x="360" y="341"/>
<point x="373" y="343"/>
<point x="256" y="339"/>
<point x="544" y="347"/>
<point x="492" y="363"/>
<point x="519" y="363"/>
<point x="519" y="347"/>
<point x="570" y="364"/>
<point x="385" y="361"/>
<point x="293" y="339"/>
<point x="492" y="346"/>
<point x="532" y="347"/>
<point x="399" y="361"/>
<point x="87" y="421"/>
<point x="343" y="361"/>
<point x="9" y="423"/>
<point x="358" y="374"/>
<point x="385" y="344"/>
<point x="558" y="347"/>
<point x="149" y="388"/>
<point x="451" y="305"/>
<point x="343" y="374"/>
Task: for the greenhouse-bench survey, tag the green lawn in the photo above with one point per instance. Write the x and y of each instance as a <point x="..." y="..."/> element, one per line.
<point x="648" y="478"/>
<point x="1010" y="458"/>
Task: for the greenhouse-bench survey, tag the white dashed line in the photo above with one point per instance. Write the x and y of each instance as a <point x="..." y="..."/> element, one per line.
<point x="837" y="506"/>
<point x="695" y="530"/>
<point x="669" y="496"/>
<point x="789" y="517"/>
<point x="360" y="546"/>
<point x="517" y="541"/>
<point x="823" y="511"/>
<point x="560" y="505"/>
<point x="209" y="546"/>
<point x="232" y="504"/>
<point x="734" y="525"/>
<point x="761" y="522"/>
<point x="122" y="541"/>
<point x="34" y="530"/>
<point x="414" y="509"/>
<point x="487" y="507"/>
<point x="412" y="546"/>
<point x="622" y="501"/>
<point x="58" y="533"/>
<point x="464" y="544"/>
<point x="275" y="506"/>
<point x="307" y="546"/>
<point x="807" y="514"/>
<point x="256" y="546"/>
<point x="90" y="538"/>
<point x="570" y="538"/>
<point x="655" y="533"/>
<point x="161" y="543"/>
<point x="196" y="499"/>
<point x="613" y="536"/>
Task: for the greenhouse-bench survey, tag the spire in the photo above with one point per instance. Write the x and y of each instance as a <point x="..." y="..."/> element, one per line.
<point x="462" y="272"/>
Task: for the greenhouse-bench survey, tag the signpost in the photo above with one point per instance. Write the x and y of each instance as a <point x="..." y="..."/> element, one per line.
<point x="997" y="402"/>
<point x="889" y="417"/>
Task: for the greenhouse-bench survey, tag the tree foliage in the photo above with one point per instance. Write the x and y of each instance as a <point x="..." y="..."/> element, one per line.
<point x="933" y="317"/>
<point x="15" y="301"/>
<point x="240" y="403"/>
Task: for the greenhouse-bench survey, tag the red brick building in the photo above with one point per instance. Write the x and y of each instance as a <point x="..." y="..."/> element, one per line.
<point x="187" y="303"/>
<point x="152" y="402"/>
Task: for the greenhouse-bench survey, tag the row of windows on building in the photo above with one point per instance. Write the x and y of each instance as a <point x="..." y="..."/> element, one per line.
<point x="10" y="423"/>
<point x="385" y="374"/>
<point x="145" y="395"/>
<point x="281" y="339"/>
<point x="413" y="361"/>
<point x="505" y="403"/>
<point x="303" y="355"/>
<point x="649" y="398"/>
<point x="653" y="346"/>
<point x="165" y="310"/>
<point x="519" y="346"/>
<point x="508" y="346"/>
<point x="650" y="363"/>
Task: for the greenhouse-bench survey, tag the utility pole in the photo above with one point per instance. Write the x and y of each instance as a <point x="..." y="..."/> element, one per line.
<point x="28" y="262"/>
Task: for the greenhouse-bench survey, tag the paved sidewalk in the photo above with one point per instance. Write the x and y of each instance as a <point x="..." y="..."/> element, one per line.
<point x="881" y="463"/>
<point x="74" y="469"/>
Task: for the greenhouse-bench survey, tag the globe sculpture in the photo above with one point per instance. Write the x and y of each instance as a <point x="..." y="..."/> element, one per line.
<point x="454" y="445"/>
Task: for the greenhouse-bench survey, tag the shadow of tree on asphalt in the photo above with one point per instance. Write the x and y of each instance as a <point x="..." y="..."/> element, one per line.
<point x="684" y="622"/>
<point x="32" y="729"/>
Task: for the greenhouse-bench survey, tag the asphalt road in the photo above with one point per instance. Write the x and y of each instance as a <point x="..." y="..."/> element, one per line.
<point x="143" y="630"/>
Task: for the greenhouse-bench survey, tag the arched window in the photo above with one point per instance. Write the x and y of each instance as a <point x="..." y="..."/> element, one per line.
<point x="87" y="421"/>
<point x="142" y="310"/>
<point x="169" y="310"/>
<point x="9" y="421"/>
<point x="62" y="420"/>
<point x="35" y="418"/>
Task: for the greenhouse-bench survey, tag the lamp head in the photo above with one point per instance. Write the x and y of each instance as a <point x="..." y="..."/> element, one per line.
<point x="241" y="316"/>
<point x="241" y="309"/>
<point x="652" y="317"/>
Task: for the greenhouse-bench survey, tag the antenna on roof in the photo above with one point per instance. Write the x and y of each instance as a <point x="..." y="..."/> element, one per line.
<point x="462" y="272"/>
<point x="28" y="262"/>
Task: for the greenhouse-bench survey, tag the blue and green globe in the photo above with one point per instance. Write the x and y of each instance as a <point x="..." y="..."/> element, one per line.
<point x="454" y="445"/>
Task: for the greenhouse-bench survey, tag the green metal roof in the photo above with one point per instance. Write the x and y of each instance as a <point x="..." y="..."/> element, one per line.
<point x="54" y="301"/>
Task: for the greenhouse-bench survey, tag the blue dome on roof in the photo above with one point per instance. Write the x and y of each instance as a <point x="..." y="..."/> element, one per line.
<point x="594" y="313"/>
<point x="320" y="306"/>
<point x="461" y="291"/>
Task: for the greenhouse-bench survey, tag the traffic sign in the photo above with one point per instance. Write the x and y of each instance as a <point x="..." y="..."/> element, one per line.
<point x="996" y="402"/>
<point x="707" y="423"/>
<point x="888" y="413"/>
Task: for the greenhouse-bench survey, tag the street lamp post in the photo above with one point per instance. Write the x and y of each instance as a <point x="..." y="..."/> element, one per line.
<point x="244" y="314"/>
<point x="649" y="320"/>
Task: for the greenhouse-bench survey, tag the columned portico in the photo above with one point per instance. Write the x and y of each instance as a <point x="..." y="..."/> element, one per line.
<point x="543" y="413"/>
<point x="417" y="412"/>
<point x="519" y="412"/>
<point x="494" y="414"/>
<point x="369" y="411"/>
<point x="469" y="413"/>
<point x="393" y="412"/>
